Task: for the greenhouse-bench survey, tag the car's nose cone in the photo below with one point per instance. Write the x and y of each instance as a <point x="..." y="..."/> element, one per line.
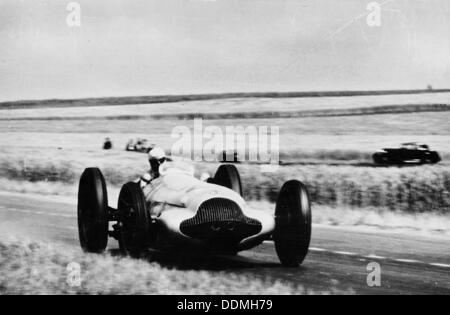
<point x="220" y="218"/>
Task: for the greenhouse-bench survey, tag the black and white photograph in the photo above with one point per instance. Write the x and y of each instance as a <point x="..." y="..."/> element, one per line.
<point x="224" y="153"/>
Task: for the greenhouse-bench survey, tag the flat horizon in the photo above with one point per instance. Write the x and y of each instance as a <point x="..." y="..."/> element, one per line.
<point x="209" y="96"/>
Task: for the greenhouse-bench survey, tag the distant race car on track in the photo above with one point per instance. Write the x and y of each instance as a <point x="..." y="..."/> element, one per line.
<point x="407" y="153"/>
<point x="228" y="157"/>
<point x="183" y="213"/>
<point x="139" y="145"/>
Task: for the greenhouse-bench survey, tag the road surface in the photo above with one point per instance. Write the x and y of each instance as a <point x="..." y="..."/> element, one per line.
<point x="338" y="257"/>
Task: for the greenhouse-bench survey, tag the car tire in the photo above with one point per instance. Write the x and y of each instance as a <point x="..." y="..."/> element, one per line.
<point x="292" y="233"/>
<point x="395" y="160"/>
<point x="227" y="175"/>
<point x="93" y="211"/>
<point x="434" y="158"/>
<point x="379" y="158"/>
<point x="133" y="220"/>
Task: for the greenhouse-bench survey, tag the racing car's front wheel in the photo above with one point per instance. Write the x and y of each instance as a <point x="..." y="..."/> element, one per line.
<point x="292" y="233"/>
<point x="93" y="211"/>
<point x="434" y="158"/>
<point x="380" y="158"/>
<point x="133" y="219"/>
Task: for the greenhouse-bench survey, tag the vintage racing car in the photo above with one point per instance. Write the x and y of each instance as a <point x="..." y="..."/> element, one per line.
<point x="407" y="153"/>
<point x="139" y="145"/>
<point x="178" y="212"/>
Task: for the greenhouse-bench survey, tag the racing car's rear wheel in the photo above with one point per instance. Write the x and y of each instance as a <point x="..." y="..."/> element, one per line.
<point x="93" y="211"/>
<point x="133" y="219"/>
<point x="227" y="175"/>
<point x="292" y="233"/>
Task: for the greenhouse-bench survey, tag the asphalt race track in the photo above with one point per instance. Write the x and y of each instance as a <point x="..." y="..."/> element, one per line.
<point x="338" y="257"/>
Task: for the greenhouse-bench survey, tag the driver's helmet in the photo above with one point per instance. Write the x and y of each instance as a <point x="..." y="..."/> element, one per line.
<point x="156" y="157"/>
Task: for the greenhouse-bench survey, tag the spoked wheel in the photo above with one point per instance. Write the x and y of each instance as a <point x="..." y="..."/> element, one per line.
<point x="292" y="233"/>
<point x="227" y="175"/>
<point x="93" y="211"/>
<point x="133" y="219"/>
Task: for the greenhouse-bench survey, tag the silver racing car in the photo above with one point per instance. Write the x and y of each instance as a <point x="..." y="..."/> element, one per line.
<point x="180" y="212"/>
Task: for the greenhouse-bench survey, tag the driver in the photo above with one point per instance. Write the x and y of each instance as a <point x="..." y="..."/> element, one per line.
<point x="156" y="157"/>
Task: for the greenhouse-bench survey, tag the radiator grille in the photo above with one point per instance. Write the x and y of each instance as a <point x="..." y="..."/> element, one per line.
<point x="220" y="222"/>
<point x="219" y="210"/>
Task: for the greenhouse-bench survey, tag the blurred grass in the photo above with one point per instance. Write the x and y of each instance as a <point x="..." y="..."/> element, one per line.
<point x="29" y="267"/>
<point x="360" y="111"/>
<point x="393" y="125"/>
<point x="317" y="156"/>
<point x="408" y="189"/>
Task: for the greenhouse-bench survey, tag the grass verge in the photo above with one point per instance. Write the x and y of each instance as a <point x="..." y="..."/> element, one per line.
<point x="361" y="111"/>
<point x="38" y="268"/>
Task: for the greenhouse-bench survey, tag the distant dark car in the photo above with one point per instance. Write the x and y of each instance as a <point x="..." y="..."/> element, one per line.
<point x="407" y="153"/>
<point x="139" y="145"/>
<point x="228" y="157"/>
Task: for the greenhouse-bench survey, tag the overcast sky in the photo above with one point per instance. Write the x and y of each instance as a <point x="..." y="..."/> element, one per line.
<point x="145" y="47"/>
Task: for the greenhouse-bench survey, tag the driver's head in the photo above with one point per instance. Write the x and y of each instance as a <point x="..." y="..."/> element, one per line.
<point x="156" y="157"/>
